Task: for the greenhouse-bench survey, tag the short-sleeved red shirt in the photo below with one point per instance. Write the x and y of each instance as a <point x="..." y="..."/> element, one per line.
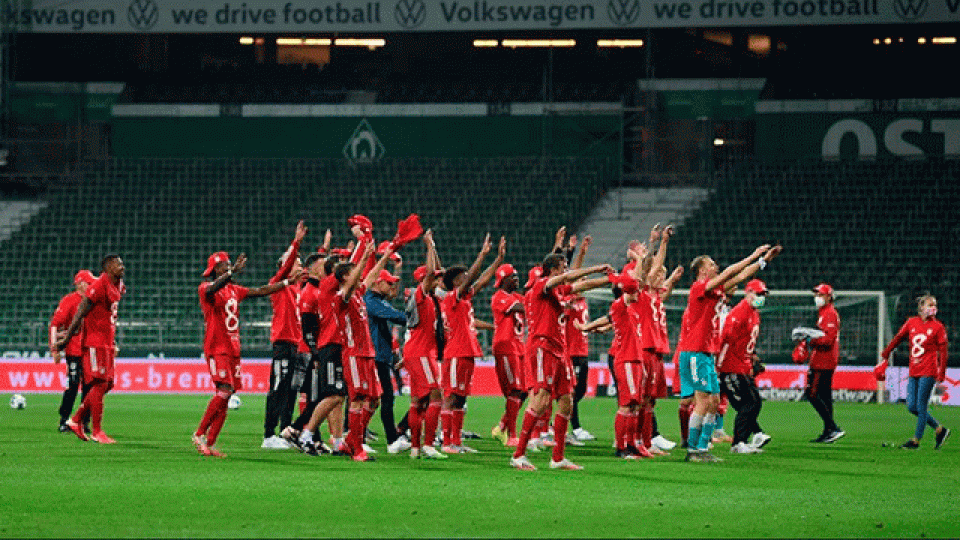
<point x="739" y="339"/>
<point x="701" y="329"/>
<point x="460" y="328"/>
<point x="222" y="318"/>
<point x="508" y="332"/>
<point x="100" y="324"/>
<point x="548" y="318"/>
<point x="62" y="318"/>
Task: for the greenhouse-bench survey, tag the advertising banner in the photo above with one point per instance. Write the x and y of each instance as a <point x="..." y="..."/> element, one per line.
<point x="190" y="376"/>
<point x="357" y="16"/>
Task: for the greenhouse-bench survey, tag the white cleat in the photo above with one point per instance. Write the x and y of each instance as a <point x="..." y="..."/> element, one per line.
<point x="572" y="440"/>
<point x="662" y="443"/>
<point x="368" y="449"/>
<point x="565" y="464"/>
<point x="533" y="445"/>
<point x="275" y="443"/>
<point x="402" y="444"/>
<point x="744" y="448"/>
<point x="522" y="464"/>
<point x="429" y="452"/>
<point x="583" y="435"/>
<point x="760" y="440"/>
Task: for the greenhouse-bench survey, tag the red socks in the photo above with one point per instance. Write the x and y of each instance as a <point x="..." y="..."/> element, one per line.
<point x="684" y="413"/>
<point x="211" y="423"/>
<point x="529" y="422"/>
<point x="416" y="424"/>
<point x="510" y="416"/>
<point x="430" y="423"/>
<point x="446" y="428"/>
<point x="355" y="435"/>
<point x="621" y="424"/>
<point x="646" y="431"/>
<point x="456" y="426"/>
<point x="560" y="435"/>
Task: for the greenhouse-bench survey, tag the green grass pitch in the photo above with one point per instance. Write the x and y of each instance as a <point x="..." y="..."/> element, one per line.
<point x="153" y="484"/>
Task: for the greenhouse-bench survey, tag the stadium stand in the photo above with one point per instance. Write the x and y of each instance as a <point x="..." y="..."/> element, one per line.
<point x="858" y="225"/>
<point x="165" y="216"/>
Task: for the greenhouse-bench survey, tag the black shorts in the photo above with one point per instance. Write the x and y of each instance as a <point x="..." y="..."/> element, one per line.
<point x="327" y="372"/>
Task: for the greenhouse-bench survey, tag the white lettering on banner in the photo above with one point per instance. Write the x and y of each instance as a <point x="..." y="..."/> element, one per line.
<point x="277" y="16"/>
<point x="893" y="137"/>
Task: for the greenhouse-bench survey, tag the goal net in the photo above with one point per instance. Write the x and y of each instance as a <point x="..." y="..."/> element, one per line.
<point x="864" y="322"/>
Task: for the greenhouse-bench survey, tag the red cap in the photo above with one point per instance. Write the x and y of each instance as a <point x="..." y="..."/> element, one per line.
<point x="421" y="272"/>
<point x="388" y="277"/>
<point x="823" y="288"/>
<point x="214" y="260"/>
<point x="84" y="276"/>
<point x="533" y="275"/>
<point x="363" y="221"/>
<point x="503" y="271"/>
<point x="757" y="286"/>
<point x="628" y="284"/>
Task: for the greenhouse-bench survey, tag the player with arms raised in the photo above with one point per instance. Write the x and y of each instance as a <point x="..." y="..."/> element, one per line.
<point x="219" y="301"/>
<point x="551" y="375"/>
<point x="99" y="308"/>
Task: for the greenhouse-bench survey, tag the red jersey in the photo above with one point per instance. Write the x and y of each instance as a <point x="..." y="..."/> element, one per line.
<point x="548" y="317"/>
<point x="62" y="318"/>
<point x="626" y="331"/>
<point x="577" y="340"/>
<point x="461" y="329"/>
<point x="528" y="318"/>
<point x="286" y="318"/>
<point x="100" y="325"/>
<point x="825" y="351"/>
<point x="653" y="321"/>
<point x="332" y="312"/>
<point x="739" y="339"/>
<point x="357" y="327"/>
<point x="508" y="333"/>
<point x="309" y="302"/>
<point x="422" y="339"/>
<point x="928" y="346"/>
<point x="701" y="321"/>
<point x="222" y="319"/>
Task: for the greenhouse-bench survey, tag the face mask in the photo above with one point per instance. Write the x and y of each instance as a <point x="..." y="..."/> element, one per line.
<point x="930" y="312"/>
<point x="819" y="301"/>
<point x="758" y="301"/>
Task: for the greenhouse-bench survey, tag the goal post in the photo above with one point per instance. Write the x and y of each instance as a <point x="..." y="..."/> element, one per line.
<point x="865" y="325"/>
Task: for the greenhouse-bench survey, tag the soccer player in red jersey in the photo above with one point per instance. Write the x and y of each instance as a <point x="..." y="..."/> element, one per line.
<point x="551" y="376"/>
<point x="700" y="341"/>
<point x="507" y="308"/>
<point x="288" y="347"/>
<point x="824" y="356"/>
<point x="61" y="319"/>
<point x="577" y="346"/>
<point x="99" y="308"/>
<point x="928" y="365"/>
<point x="359" y="368"/>
<point x="735" y="361"/>
<point x="219" y="299"/>
<point x="425" y="334"/>
<point x="462" y="347"/>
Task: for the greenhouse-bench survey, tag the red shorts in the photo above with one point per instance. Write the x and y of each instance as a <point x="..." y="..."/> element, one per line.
<point x="424" y="374"/>
<point x="510" y="373"/>
<point x="457" y="376"/>
<point x="98" y="364"/>
<point x="360" y="376"/>
<point x="631" y="382"/>
<point x="225" y="369"/>
<point x="548" y="371"/>
<point x="656" y="375"/>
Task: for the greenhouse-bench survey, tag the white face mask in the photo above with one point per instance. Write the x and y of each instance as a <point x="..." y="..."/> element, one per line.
<point x="758" y="301"/>
<point x="930" y="312"/>
<point x="819" y="301"/>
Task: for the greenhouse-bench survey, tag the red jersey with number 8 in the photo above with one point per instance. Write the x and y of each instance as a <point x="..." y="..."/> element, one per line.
<point x="928" y="341"/>
<point x="221" y="317"/>
<point x="100" y="325"/>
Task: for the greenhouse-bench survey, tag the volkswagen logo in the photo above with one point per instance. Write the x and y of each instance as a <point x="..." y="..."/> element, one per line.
<point x="623" y="12"/>
<point x="410" y="13"/>
<point x="143" y="14"/>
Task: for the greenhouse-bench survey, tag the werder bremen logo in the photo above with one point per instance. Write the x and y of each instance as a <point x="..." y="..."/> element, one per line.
<point x="910" y="10"/>
<point x="623" y="12"/>
<point x="143" y="14"/>
<point x="363" y="146"/>
<point x="410" y="13"/>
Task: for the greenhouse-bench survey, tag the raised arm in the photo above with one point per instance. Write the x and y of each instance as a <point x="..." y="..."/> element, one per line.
<point x="374" y="274"/>
<point x="671" y="282"/>
<point x="353" y="278"/>
<point x="587" y="284"/>
<point x="661" y="255"/>
<point x="755" y="267"/>
<point x="735" y="269"/>
<point x="584" y="247"/>
<point x="488" y="274"/>
<point x="225" y="278"/>
<point x="593" y="325"/>
<point x="475" y="267"/>
<point x="573" y="275"/>
<point x="271" y="288"/>
<point x="289" y="257"/>
<point x="431" y="262"/>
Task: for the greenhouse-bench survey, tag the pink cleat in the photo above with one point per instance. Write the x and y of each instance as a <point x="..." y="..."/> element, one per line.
<point x="101" y="438"/>
<point x="77" y="430"/>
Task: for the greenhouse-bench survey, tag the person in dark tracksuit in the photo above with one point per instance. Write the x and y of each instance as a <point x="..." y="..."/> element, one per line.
<point x="382" y="315"/>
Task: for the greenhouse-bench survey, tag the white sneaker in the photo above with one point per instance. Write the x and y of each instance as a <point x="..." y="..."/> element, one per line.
<point x="522" y="463"/>
<point x="368" y="449"/>
<point x="399" y="445"/>
<point x="744" y="448"/>
<point x="464" y="449"/>
<point x="662" y="443"/>
<point x="583" y="435"/>
<point x="565" y="464"/>
<point x="760" y="440"/>
<point x="533" y="445"/>
<point x="275" y="443"/>
<point x="572" y="440"/>
<point x="429" y="452"/>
